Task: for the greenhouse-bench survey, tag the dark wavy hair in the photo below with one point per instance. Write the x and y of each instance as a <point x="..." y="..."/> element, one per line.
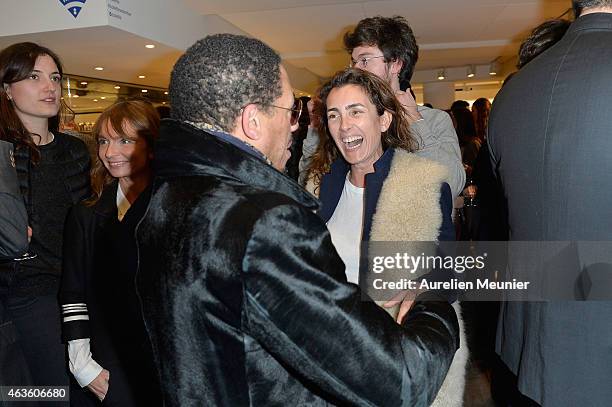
<point x="141" y="116"/>
<point x="381" y="95"/>
<point x="16" y="64"/>
<point x="542" y="37"/>
<point x="219" y="75"/>
<point x="393" y="36"/>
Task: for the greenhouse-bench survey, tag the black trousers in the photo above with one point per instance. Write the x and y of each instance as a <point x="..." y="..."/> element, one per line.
<point x="36" y="320"/>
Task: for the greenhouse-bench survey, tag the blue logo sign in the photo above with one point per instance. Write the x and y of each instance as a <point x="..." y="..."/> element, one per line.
<point x="73" y="9"/>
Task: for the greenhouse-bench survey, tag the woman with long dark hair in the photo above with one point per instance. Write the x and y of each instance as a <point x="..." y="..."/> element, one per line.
<point x="53" y="172"/>
<point x="481" y="108"/>
<point x="108" y="348"/>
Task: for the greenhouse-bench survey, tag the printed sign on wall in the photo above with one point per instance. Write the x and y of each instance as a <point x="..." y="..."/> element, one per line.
<point x="72" y="8"/>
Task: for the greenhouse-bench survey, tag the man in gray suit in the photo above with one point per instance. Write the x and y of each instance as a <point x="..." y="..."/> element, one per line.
<point x="550" y="137"/>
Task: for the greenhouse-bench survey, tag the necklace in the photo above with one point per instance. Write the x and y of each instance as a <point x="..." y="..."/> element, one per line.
<point x="50" y="135"/>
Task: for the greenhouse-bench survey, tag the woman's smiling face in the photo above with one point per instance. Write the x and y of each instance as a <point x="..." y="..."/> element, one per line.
<point x="355" y="125"/>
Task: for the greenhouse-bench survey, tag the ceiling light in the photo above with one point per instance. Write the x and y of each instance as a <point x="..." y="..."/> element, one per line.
<point x="150" y="46"/>
<point x="102" y="97"/>
<point x="83" y="83"/>
<point x="75" y="96"/>
<point x="99" y="68"/>
<point x="494" y="68"/>
<point x="144" y="91"/>
<point x="117" y="87"/>
<point x="471" y="71"/>
<point x="442" y="74"/>
<point x="95" y="100"/>
<point x="141" y="76"/>
<point x="165" y="93"/>
<point x="163" y="103"/>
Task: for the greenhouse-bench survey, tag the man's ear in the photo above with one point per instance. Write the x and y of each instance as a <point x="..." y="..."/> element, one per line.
<point x="385" y="121"/>
<point x="251" y="121"/>
<point x="396" y="66"/>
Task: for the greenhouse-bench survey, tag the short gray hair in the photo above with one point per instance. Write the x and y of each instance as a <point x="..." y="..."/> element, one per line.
<point x="219" y="75"/>
<point x="581" y="5"/>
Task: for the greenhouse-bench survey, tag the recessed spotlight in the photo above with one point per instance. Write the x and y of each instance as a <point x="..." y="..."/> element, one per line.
<point x="144" y="91"/>
<point x="99" y="68"/>
<point x="494" y="68"/>
<point x="83" y="83"/>
<point x="141" y="76"/>
<point x="75" y="96"/>
<point x="95" y="100"/>
<point x="150" y="46"/>
<point x="102" y="97"/>
<point x="163" y="103"/>
<point x="117" y="87"/>
<point x="471" y="71"/>
<point x="441" y="74"/>
<point x="165" y="93"/>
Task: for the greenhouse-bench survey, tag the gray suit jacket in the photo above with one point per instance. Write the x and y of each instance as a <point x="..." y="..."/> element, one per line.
<point x="550" y="137"/>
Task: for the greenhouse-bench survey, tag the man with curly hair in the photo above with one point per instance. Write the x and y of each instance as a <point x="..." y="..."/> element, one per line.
<point x="244" y="297"/>
<point x="386" y="47"/>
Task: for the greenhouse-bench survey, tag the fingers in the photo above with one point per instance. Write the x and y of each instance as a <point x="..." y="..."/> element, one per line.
<point x="404" y="309"/>
<point x="397" y="298"/>
<point x="99" y="385"/>
<point x="391" y="303"/>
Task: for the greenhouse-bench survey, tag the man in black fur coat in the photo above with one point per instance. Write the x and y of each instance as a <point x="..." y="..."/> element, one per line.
<point x="244" y="296"/>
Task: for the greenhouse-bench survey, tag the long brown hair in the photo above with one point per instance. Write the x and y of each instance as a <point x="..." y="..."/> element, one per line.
<point x="381" y="95"/>
<point x="16" y="64"/>
<point x="141" y="116"/>
<point x="480" y="111"/>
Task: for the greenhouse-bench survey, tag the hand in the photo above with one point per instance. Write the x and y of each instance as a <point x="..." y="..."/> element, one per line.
<point x="410" y="106"/>
<point x="406" y="298"/>
<point x="29" y="234"/>
<point x="99" y="385"/>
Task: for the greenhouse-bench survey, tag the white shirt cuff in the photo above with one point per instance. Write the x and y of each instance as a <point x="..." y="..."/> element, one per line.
<point x="82" y="366"/>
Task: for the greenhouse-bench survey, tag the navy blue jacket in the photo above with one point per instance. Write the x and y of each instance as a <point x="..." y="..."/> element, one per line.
<point x="333" y="182"/>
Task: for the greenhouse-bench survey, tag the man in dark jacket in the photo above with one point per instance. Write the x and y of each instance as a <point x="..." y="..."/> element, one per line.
<point x="244" y="297"/>
<point x="549" y="135"/>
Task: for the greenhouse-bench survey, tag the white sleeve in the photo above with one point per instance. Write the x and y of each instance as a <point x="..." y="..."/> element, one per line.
<point x="82" y="366"/>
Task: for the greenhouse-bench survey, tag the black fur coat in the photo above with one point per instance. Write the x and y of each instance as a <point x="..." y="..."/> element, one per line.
<point x="245" y="298"/>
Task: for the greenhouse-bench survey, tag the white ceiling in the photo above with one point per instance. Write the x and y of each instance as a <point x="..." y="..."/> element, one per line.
<point x="449" y="32"/>
<point x="308" y="34"/>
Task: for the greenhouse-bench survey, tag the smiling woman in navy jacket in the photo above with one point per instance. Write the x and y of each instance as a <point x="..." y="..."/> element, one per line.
<point x="373" y="188"/>
<point x="107" y="344"/>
